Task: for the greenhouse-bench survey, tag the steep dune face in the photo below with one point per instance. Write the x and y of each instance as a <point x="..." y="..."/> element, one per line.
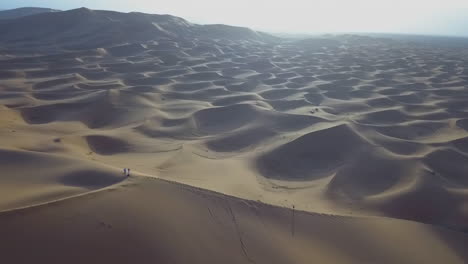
<point x="30" y="178"/>
<point x="24" y="11"/>
<point x="451" y="165"/>
<point x="314" y="155"/>
<point x="339" y="125"/>
<point x="147" y="220"/>
<point x="106" y="145"/>
<point x="223" y="119"/>
<point x="463" y="123"/>
<point x="83" y="28"/>
<point x="246" y="139"/>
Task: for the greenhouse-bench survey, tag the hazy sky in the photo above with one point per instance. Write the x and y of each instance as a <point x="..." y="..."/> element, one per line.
<point x="442" y="17"/>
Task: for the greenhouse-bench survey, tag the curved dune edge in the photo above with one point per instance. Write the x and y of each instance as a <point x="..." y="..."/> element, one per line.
<point x="153" y="220"/>
<point x="32" y="178"/>
<point x="51" y="202"/>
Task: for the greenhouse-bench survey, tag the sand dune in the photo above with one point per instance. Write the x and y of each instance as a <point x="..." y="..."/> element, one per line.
<point x="314" y="155"/>
<point x="82" y="28"/>
<point x="24" y="11"/>
<point x="366" y="137"/>
<point x="147" y="220"/>
<point x="53" y="177"/>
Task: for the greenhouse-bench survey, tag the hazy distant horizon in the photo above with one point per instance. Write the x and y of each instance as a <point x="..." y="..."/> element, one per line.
<point x="443" y="18"/>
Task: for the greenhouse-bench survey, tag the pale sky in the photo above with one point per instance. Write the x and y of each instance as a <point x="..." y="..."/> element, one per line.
<point x="439" y="17"/>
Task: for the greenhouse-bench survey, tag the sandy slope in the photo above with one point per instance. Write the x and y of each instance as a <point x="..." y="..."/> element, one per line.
<point x="150" y="221"/>
<point x="30" y="178"/>
<point x="24" y="11"/>
<point x="366" y="131"/>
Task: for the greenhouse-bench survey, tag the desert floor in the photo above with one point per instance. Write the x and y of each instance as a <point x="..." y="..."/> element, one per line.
<point x="352" y="151"/>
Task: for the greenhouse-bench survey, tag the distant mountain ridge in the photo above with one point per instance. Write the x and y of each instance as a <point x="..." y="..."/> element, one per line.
<point x="84" y="29"/>
<point x="24" y="11"/>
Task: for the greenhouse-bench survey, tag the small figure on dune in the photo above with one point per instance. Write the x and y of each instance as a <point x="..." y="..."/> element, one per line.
<point x="126" y="172"/>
